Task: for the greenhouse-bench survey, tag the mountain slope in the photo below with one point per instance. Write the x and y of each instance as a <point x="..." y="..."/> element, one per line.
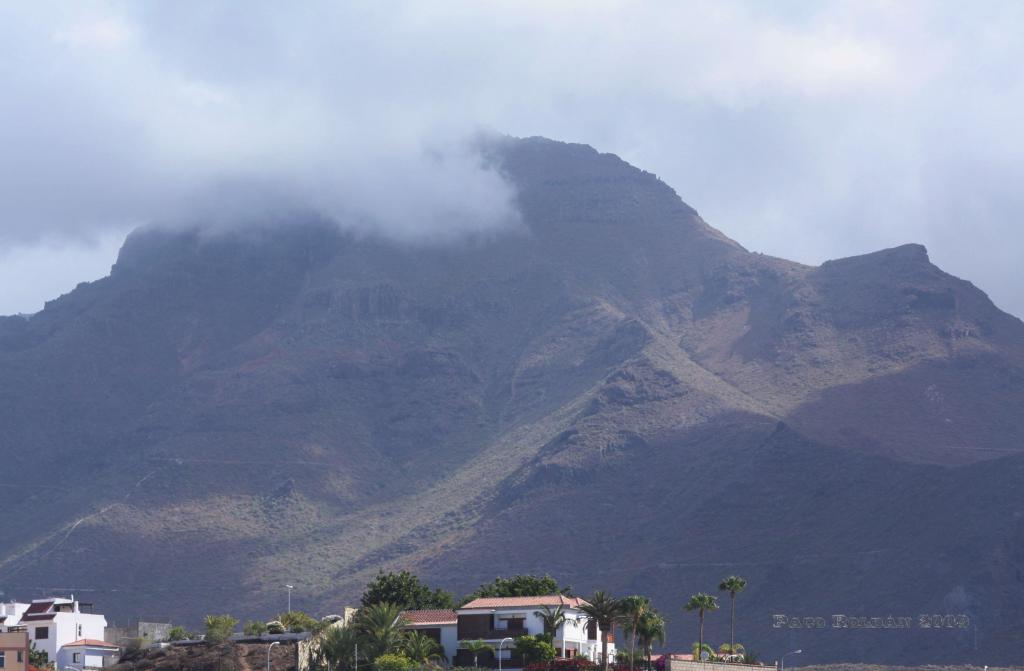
<point x="610" y="391"/>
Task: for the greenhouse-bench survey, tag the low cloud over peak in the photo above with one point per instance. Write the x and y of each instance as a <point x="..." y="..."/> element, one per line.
<point x="806" y="131"/>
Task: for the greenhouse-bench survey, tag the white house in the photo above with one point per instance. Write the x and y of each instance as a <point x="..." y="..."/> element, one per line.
<point x="10" y="613"/>
<point x="55" y="623"/>
<point x="499" y="621"/>
<point x="87" y="654"/>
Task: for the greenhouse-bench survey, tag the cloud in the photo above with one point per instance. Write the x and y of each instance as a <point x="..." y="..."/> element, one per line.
<point x="810" y="131"/>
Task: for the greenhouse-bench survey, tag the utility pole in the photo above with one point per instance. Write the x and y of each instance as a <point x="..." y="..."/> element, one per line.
<point x="290" y="588"/>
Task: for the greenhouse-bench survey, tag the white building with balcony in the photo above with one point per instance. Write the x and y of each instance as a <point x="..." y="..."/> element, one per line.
<point x="55" y="623"/>
<point x="499" y="621"/>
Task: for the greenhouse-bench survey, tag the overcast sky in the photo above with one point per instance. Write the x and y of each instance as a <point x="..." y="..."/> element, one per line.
<point x="808" y="130"/>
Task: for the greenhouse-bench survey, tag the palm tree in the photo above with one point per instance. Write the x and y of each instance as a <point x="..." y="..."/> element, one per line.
<point x="700" y="648"/>
<point x="476" y="647"/>
<point x="633" y="608"/>
<point x="335" y="649"/>
<point x="734" y="584"/>
<point x="421" y="648"/>
<point x="553" y="618"/>
<point x="650" y="629"/>
<point x="702" y="603"/>
<point x="603" y="610"/>
<point x="379" y="628"/>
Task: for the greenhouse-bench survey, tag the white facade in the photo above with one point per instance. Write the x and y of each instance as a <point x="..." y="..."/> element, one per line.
<point x="522" y="616"/>
<point x="54" y="623"/>
<point x="86" y="655"/>
<point x="10" y="613"/>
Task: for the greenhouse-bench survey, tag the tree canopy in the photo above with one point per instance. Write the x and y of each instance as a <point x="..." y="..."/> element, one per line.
<point x="219" y="627"/>
<point x="406" y="591"/>
<point x="519" y="585"/>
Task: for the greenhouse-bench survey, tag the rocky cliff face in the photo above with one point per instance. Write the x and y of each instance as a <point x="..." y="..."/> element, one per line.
<point x="611" y="391"/>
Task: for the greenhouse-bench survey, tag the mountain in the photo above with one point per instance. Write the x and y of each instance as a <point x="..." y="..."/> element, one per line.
<point x="610" y="391"/>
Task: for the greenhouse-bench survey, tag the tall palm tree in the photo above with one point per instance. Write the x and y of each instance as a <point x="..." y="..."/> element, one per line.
<point x="379" y="628"/>
<point x="553" y="618"/>
<point x="702" y="603"/>
<point x="476" y="647"/>
<point x="421" y="648"/>
<point x="335" y="649"/>
<point x="650" y="629"/>
<point x="633" y="608"/>
<point x="603" y="609"/>
<point x="734" y="584"/>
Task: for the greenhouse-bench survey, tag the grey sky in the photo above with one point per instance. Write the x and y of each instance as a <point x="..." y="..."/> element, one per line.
<point x="805" y="130"/>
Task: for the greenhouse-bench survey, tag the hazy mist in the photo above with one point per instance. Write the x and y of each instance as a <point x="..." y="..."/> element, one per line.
<point x="810" y="132"/>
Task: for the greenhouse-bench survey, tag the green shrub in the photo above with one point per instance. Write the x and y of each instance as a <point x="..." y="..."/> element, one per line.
<point x="534" y="649"/>
<point x="177" y="633"/>
<point x="392" y="662"/>
<point x="219" y="627"/>
<point x="297" y="622"/>
<point x="275" y="627"/>
<point x="254" y="628"/>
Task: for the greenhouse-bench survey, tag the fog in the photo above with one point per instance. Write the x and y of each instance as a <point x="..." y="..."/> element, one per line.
<point x="805" y="131"/>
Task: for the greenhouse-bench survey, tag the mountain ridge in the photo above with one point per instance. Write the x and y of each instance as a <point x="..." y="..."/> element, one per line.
<point x="300" y="404"/>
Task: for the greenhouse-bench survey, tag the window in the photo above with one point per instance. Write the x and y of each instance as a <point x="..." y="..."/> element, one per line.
<point x="21" y="657"/>
<point x="42" y="633"/>
<point x="79" y="629"/>
<point x="76" y="658"/>
<point x="2" y="660"/>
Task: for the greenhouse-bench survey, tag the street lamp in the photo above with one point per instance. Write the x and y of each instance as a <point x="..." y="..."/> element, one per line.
<point x="269" y="648"/>
<point x="501" y="643"/>
<point x="782" y="662"/>
<point x="290" y="588"/>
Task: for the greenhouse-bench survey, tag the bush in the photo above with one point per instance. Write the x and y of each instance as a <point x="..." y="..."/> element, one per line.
<point x="297" y="622"/>
<point x="254" y="628"/>
<point x="38" y="658"/>
<point x="392" y="662"/>
<point x="219" y="627"/>
<point x="275" y="627"/>
<point x="177" y="633"/>
<point x="534" y="649"/>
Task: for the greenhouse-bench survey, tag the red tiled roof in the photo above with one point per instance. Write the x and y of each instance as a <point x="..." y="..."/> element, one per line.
<point x="90" y="643"/>
<point x="525" y="601"/>
<point x="420" y="617"/>
<point x="38" y="607"/>
<point x="39" y="617"/>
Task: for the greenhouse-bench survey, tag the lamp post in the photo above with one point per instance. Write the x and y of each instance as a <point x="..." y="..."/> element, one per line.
<point x="269" y="648"/>
<point x="290" y="588"/>
<point x="501" y="643"/>
<point x="782" y="662"/>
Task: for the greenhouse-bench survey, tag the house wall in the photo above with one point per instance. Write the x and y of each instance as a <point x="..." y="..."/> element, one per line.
<point x="94" y="658"/>
<point x="66" y="628"/>
<point x="472" y="625"/>
<point x="449" y="641"/>
<point x="11" y="612"/>
<point x="12" y="644"/>
<point x="685" y="665"/>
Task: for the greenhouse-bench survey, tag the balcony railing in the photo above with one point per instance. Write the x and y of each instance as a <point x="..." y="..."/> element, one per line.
<point x="492" y="634"/>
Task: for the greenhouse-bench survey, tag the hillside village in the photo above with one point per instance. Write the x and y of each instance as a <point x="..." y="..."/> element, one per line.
<point x="524" y="622"/>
